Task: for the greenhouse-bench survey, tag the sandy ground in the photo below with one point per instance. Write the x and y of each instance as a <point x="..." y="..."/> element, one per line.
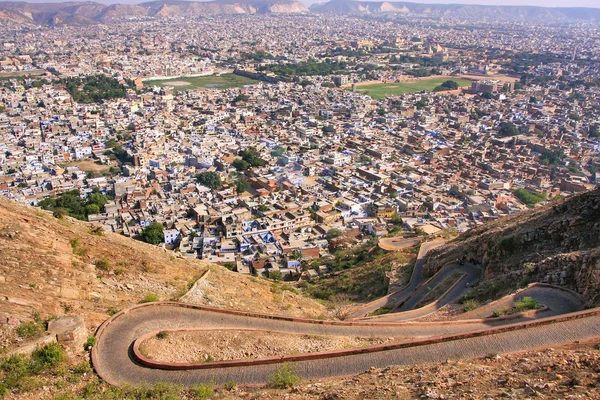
<point x="199" y="346"/>
<point x="177" y="83"/>
<point x="88" y="165"/>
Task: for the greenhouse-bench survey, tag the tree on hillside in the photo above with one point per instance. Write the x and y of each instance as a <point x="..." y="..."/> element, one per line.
<point x="153" y="233"/>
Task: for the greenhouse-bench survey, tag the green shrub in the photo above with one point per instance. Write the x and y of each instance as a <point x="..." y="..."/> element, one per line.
<point x="82" y="368"/>
<point x="47" y="357"/>
<point x="162" y="334"/>
<point x="29" y="329"/>
<point x="275" y="275"/>
<point x="66" y="396"/>
<point x="90" y="342"/>
<point x="204" y="391"/>
<point x="112" y="310"/>
<point x="466" y="297"/>
<point x="102" y="264"/>
<point x="97" y="231"/>
<point x="284" y="377"/>
<point x="527" y="303"/>
<point x="80" y="251"/>
<point x="229" y="385"/>
<point x="149" y="298"/>
<point x="230" y="266"/>
<point x="208" y="358"/>
<point x="381" y="311"/>
<point x="89" y="390"/>
<point x="160" y="390"/>
<point x="469" y="305"/>
<point x="15" y="368"/>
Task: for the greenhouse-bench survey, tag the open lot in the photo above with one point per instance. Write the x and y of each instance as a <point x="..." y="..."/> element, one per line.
<point x="224" y="81"/>
<point x="89" y="165"/>
<point x="381" y="90"/>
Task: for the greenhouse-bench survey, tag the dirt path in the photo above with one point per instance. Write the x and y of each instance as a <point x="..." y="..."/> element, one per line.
<point x="219" y="345"/>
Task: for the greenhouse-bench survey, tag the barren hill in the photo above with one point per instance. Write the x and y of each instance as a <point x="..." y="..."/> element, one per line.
<point x="478" y="12"/>
<point x="82" y="13"/>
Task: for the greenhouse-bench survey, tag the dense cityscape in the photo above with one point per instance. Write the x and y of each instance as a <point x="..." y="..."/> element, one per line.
<point x="259" y="141"/>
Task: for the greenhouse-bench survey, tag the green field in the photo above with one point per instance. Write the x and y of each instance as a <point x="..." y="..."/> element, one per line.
<point x="224" y="81"/>
<point x="381" y="90"/>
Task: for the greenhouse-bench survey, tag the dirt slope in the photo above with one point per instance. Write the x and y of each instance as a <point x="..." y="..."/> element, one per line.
<point x="56" y="267"/>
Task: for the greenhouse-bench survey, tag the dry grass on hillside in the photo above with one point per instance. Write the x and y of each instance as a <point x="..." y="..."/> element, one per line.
<point x="55" y="267"/>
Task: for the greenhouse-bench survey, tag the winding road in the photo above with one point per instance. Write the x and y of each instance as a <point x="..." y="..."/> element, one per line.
<point x="392" y="300"/>
<point x="116" y="359"/>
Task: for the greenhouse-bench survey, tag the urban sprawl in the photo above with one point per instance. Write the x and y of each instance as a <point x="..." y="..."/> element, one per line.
<point x="259" y="142"/>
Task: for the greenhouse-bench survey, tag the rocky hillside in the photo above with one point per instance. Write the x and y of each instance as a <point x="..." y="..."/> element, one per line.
<point x="83" y="13"/>
<point x="557" y="244"/>
<point x="478" y="12"/>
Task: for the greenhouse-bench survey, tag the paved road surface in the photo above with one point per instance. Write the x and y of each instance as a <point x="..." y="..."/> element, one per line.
<point x="394" y="299"/>
<point x="114" y="362"/>
<point x="113" y="359"/>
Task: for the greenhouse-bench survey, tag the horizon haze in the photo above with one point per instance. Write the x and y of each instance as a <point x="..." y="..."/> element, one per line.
<point x="534" y="3"/>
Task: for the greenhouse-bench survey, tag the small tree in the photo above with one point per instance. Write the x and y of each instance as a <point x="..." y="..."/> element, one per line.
<point x="284" y="377"/>
<point x="275" y="275"/>
<point x="242" y="185"/>
<point x="60" y="213"/>
<point x="209" y="179"/>
<point x="334" y="233"/>
<point x="153" y="233"/>
<point x="396" y="219"/>
<point x="240" y="165"/>
<point x="508" y="129"/>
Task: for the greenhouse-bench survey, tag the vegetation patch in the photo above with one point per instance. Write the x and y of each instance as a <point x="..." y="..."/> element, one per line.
<point x="284" y="377"/>
<point x="529" y="198"/>
<point x="223" y="81"/>
<point x="470" y="305"/>
<point x="149" y="298"/>
<point x="381" y="311"/>
<point x="381" y="90"/>
<point x="29" y="330"/>
<point x="525" y="304"/>
<point x="95" y="88"/>
<point x="509" y="244"/>
<point x="72" y="204"/>
<point x="359" y="273"/>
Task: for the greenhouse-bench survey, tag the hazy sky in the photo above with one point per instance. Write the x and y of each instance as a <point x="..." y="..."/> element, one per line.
<point x="545" y="3"/>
